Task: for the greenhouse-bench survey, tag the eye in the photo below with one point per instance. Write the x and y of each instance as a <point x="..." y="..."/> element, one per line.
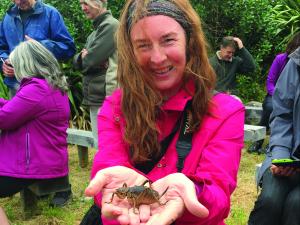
<point x="168" y="41"/>
<point x="143" y="46"/>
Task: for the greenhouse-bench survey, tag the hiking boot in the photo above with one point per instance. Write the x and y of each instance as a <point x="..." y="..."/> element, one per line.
<point x="60" y="199"/>
<point x="256" y="147"/>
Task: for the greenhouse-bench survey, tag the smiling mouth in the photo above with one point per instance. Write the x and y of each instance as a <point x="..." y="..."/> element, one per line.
<point x="163" y="71"/>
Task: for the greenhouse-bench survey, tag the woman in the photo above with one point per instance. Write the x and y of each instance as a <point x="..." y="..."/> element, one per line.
<point x="275" y="70"/>
<point x="97" y="60"/>
<point x="279" y="199"/>
<point x="33" y="123"/>
<point x="163" y="69"/>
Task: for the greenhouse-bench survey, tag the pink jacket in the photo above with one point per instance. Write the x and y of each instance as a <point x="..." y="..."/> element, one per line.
<point x="212" y="163"/>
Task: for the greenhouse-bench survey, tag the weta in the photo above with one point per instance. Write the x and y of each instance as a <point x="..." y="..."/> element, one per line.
<point x="138" y="195"/>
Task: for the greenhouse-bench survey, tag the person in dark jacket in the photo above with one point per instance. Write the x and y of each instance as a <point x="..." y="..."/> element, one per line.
<point x="32" y="19"/>
<point x="33" y="124"/>
<point x="232" y="58"/>
<point x="279" y="200"/>
<point x="98" y="59"/>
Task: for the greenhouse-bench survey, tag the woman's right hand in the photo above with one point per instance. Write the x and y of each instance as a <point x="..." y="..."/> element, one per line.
<point x="106" y="182"/>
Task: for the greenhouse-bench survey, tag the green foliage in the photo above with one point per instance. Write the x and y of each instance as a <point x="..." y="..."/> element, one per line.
<point x="286" y="18"/>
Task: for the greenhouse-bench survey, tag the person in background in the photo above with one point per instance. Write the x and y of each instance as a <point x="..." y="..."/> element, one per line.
<point x="275" y="70"/>
<point x="231" y="59"/>
<point x="34" y="122"/>
<point x="279" y="199"/>
<point x="32" y="19"/>
<point x="166" y="104"/>
<point x="98" y="59"/>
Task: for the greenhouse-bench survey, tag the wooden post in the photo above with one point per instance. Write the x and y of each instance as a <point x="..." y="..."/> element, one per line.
<point x="83" y="156"/>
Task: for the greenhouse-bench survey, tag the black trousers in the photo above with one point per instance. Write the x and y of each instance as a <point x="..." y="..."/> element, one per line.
<point x="11" y="185"/>
<point x="267" y="110"/>
<point x="278" y="202"/>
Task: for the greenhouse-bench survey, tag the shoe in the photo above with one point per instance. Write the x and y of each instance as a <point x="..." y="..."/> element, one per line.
<point x="256" y="147"/>
<point x="60" y="199"/>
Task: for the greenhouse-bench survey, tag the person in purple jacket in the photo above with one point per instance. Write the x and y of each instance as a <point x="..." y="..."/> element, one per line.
<point x="33" y="124"/>
<point x="274" y="72"/>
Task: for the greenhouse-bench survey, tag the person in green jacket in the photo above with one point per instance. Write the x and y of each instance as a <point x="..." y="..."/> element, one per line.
<point x="97" y="61"/>
<point x="232" y="58"/>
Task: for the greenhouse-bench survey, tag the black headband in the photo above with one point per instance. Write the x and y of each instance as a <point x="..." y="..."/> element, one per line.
<point x="160" y="7"/>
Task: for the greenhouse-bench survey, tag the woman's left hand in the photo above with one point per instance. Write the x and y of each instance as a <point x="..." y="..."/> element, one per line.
<point x="181" y="195"/>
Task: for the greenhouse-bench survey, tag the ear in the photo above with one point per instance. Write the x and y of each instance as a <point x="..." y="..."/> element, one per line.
<point x="125" y="185"/>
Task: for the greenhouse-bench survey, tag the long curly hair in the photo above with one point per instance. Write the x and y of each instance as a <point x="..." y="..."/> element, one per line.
<point x="141" y="101"/>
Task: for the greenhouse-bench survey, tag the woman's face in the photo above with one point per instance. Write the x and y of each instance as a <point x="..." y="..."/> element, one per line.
<point x="89" y="11"/>
<point x="159" y="45"/>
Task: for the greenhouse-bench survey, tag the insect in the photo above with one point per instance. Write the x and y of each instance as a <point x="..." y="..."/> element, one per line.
<point x="138" y="195"/>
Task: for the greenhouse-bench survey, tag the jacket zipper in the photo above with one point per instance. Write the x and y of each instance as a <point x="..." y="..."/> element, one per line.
<point x="27" y="151"/>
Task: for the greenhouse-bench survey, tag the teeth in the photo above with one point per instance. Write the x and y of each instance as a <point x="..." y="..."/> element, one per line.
<point x="163" y="70"/>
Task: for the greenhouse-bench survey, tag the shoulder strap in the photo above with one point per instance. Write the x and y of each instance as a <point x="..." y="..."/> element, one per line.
<point x="184" y="142"/>
<point x="147" y="166"/>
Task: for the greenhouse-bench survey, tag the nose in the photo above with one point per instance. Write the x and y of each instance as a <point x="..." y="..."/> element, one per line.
<point x="158" y="55"/>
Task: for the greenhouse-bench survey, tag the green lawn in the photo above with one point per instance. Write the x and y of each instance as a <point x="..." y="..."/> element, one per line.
<point x="242" y="199"/>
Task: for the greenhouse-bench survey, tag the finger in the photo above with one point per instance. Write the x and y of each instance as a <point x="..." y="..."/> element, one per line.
<point x="134" y="216"/>
<point x="96" y="184"/>
<point x="111" y="211"/>
<point x="168" y="216"/>
<point x="144" y="213"/>
<point x="28" y="38"/>
<point x="123" y="219"/>
<point x="191" y="201"/>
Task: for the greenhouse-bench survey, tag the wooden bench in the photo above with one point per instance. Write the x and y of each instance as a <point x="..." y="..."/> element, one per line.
<point x="83" y="139"/>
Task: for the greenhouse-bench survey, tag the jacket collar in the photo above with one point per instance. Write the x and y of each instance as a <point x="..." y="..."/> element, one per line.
<point x="220" y="58"/>
<point x="179" y="100"/>
<point x="100" y="18"/>
<point x="38" y="8"/>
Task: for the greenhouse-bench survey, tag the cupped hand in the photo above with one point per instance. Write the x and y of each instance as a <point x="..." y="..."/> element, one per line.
<point x="181" y="195"/>
<point x="106" y="182"/>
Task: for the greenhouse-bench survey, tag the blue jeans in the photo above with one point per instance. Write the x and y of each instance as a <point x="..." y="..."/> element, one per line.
<point x="278" y="202"/>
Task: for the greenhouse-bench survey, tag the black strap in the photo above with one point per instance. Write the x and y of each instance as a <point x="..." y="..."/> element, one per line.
<point x="183" y="145"/>
<point x="146" y="167"/>
<point x="184" y="142"/>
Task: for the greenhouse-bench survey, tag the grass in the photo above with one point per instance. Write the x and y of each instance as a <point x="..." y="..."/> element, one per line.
<point x="242" y="199"/>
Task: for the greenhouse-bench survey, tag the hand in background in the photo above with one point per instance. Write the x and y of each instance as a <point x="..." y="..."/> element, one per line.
<point x="239" y="42"/>
<point x="283" y="171"/>
<point x="28" y="38"/>
<point x="7" y="69"/>
<point x="84" y="52"/>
